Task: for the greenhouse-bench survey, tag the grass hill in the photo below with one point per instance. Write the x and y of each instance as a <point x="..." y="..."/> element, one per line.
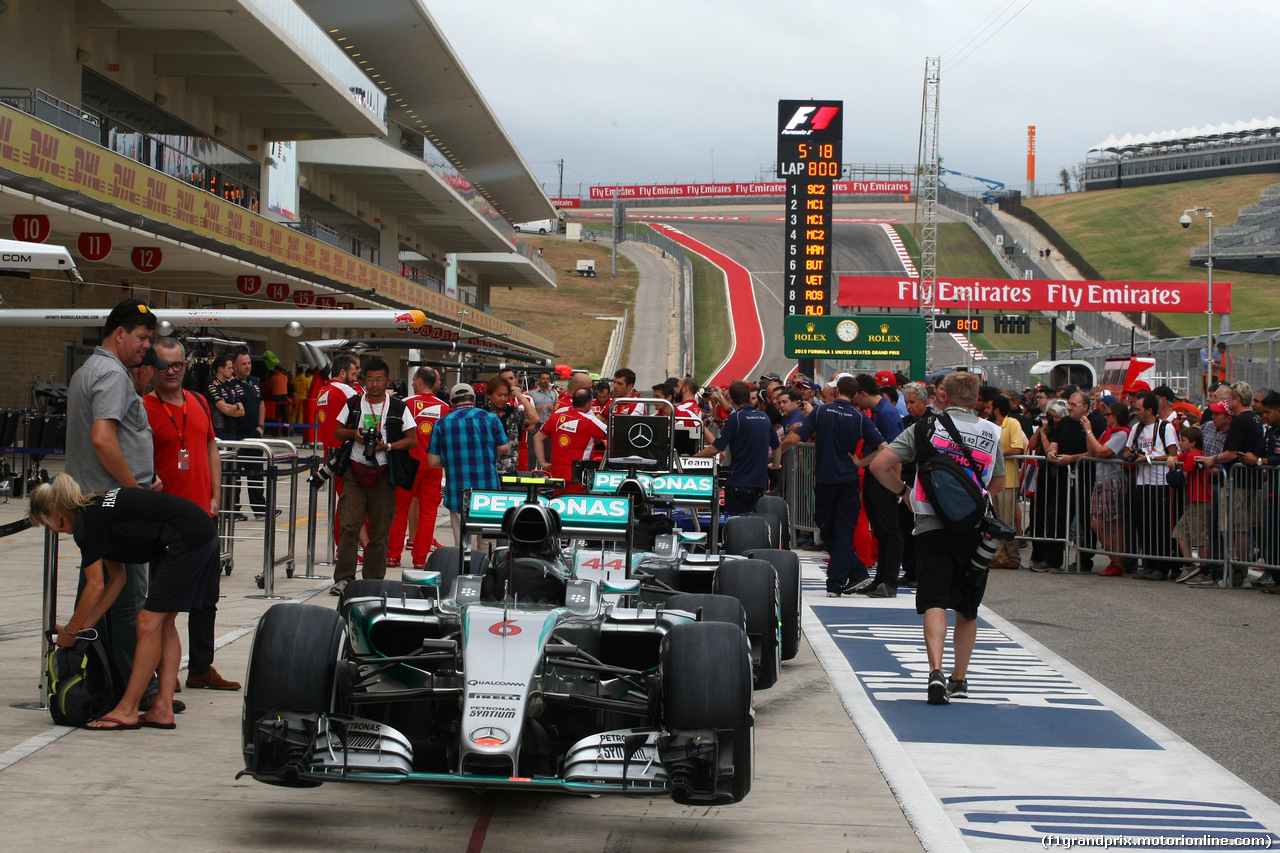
<point x="1133" y="234"/>
<point x="567" y="315"/>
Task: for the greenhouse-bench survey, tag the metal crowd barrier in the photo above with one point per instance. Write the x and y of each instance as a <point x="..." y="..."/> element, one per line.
<point x="799" y="475"/>
<point x="313" y="509"/>
<point x="48" y="615"/>
<point x="1072" y="514"/>
<point x="274" y="457"/>
<point x="1106" y="509"/>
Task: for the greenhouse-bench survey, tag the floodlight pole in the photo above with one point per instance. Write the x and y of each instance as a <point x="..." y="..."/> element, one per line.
<point x="1208" y="341"/>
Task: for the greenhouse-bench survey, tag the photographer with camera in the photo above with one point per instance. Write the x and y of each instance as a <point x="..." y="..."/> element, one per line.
<point x="378" y="424"/>
<point x="951" y="567"/>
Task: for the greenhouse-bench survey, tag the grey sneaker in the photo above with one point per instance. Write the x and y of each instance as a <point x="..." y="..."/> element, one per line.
<point x="957" y="688"/>
<point x="938" y="689"/>
<point x="1039" y="566"/>
<point x="1187" y="574"/>
<point x="337" y="588"/>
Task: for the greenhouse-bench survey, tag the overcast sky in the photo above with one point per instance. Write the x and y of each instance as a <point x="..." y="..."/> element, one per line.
<point x="645" y="92"/>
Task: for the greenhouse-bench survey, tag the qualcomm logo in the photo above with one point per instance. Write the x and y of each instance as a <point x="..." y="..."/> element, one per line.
<point x="1127" y="821"/>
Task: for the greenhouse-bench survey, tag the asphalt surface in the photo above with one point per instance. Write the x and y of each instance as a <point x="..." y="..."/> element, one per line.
<point x="757" y="244"/>
<point x="648" y="351"/>
<point x="816" y="785"/>
<point x="1201" y="661"/>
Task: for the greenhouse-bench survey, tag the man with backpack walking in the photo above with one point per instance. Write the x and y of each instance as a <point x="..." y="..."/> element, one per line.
<point x="945" y="543"/>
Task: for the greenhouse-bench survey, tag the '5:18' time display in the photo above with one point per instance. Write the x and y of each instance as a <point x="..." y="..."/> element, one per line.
<point x="810" y="141"/>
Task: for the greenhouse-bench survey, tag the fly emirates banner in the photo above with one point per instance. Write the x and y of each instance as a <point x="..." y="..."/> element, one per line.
<point x="1011" y="294"/>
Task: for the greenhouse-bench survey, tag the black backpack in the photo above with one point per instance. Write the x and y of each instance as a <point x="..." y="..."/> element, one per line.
<point x="79" y="681"/>
<point x="952" y="489"/>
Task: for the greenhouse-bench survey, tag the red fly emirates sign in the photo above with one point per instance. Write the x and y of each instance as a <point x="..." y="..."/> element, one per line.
<point x="778" y="188"/>
<point x="1004" y="294"/>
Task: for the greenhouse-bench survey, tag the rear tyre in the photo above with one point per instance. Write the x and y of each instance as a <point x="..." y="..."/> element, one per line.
<point x="292" y="667"/>
<point x="706" y="684"/>
<point x="743" y="533"/>
<point x="787" y="565"/>
<point x="775" y="527"/>
<point x="755" y="584"/>
<point x="774" y="505"/>
<point x="710" y="608"/>
<point x="445" y="561"/>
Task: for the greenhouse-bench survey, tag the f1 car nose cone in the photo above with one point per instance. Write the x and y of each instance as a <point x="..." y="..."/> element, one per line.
<point x="489" y="736"/>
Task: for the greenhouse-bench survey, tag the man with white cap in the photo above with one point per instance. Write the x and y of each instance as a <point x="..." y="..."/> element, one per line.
<point x="466" y="443"/>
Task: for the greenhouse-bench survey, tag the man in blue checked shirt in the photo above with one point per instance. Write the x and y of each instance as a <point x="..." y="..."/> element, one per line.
<point x="466" y="443"/>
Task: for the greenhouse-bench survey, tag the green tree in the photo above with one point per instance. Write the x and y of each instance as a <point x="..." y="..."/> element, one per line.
<point x="1064" y="180"/>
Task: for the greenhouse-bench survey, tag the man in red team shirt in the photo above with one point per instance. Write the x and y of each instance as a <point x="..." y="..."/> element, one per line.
<point x="572" y="434"/>
<point x="188" y="464"/>
<point x="624" y="385"/>
<point x="343" y="384"/>
<point x="343" y="373"/>
<point x="426" y="409"/>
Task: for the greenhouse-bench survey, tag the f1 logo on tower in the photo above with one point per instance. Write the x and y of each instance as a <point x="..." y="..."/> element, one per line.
<point x="808" y="119"/>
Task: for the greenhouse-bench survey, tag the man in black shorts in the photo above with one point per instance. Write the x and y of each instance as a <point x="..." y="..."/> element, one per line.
<point x="943" y="557"/>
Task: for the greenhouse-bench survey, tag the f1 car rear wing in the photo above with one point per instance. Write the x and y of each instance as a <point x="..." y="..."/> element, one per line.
<point x="696" y="486"/>
<point x="583" y="516"/>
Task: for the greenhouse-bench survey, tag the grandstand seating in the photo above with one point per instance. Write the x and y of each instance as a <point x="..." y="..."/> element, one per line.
<point x="1252" y="243"/>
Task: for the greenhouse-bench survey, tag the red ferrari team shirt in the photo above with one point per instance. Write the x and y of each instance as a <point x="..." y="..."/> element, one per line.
<point x="426" y="410"/>
<point x="330" y="403"/>
<point x="572" y="435"/>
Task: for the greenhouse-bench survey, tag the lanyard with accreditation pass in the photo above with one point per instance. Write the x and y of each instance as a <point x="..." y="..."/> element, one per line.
<point x="184" y="455"/>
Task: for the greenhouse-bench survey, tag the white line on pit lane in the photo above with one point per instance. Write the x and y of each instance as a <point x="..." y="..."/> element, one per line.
<point x="38" y="742"/>
<point x="921" y="804"/>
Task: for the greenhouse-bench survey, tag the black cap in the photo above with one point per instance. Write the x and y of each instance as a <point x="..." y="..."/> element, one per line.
<point x="130" y="314"/>
<point x="1166" y="392"/>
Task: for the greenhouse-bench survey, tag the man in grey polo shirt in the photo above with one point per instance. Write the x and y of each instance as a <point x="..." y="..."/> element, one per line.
<point x="109" y="445"/>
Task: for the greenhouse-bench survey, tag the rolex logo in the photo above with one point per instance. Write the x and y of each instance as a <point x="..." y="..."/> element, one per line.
<point x="809" y="327"/>
<point x="884" y="328"/>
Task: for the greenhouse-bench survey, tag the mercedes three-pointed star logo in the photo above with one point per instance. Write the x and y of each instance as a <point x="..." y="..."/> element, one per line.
<point x="640" y="435"/>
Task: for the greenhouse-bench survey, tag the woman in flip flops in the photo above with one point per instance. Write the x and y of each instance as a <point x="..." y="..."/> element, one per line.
<point x="134" y="526"/>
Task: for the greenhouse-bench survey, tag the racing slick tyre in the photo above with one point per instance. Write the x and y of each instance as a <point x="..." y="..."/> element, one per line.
<point x="787" y="565"/>
<point x="706" y="684"/>
<point x="710" y="608"/>
<point x="775" y="527"/>
<point x="774" y="505"/>
<point x="755" y="584"/>
<point x="445" y="561"/>
<point x="292" y="667"/>
<point x="743" y="533"/>
<point x="373" y="588"/>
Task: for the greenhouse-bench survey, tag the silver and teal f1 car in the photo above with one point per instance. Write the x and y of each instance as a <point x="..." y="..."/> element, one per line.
<point x="525" y="676"/>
